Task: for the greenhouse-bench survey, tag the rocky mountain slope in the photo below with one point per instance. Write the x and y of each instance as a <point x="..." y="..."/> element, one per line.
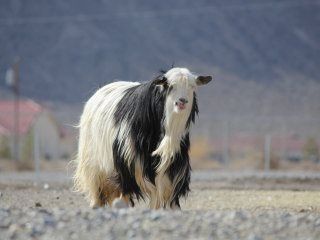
<point x="264" y="55"/>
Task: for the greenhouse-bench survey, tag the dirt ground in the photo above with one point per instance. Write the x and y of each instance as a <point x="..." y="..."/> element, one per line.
<point x="210" y="191"/>
<point x="199" y="199"/>
<point x="254" y="205"/>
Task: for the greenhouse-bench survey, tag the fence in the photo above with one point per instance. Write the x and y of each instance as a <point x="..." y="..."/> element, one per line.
<point x="260" y="142"/>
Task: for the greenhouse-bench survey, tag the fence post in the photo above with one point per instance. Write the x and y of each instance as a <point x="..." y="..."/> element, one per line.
<point x="36" y="154"/>
<point x="267" y="152"/>
<point x="226" y="142"/>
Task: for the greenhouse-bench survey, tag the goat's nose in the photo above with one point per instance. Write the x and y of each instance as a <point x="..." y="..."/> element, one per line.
<point x="183" y="100"/>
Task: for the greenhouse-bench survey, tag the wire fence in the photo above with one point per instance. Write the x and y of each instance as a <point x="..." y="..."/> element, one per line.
<point x="239" y="143"/>
<point x="264" y="143"/>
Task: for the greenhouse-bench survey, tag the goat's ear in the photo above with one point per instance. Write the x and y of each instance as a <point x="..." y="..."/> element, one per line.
<point x="202" y="80"/>
<point x="160" y="81"/>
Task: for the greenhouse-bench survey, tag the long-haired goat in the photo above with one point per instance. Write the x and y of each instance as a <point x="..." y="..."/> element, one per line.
<point x="134" y="140"/>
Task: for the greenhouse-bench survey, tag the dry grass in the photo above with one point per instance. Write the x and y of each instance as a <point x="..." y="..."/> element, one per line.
<point x="200" y="155"/>
<point x="52" y="165"/>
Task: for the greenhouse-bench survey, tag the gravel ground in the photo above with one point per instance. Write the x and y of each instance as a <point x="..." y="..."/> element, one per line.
<point x="49" y="209"/>
<point x="58" y="223"/>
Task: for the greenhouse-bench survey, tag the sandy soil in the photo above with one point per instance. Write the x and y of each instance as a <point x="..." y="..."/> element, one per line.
<point x="199" y="199"/>
<point x="210" y="191"/>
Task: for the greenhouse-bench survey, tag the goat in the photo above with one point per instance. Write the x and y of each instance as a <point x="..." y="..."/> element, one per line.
<point x="134" y="140"/>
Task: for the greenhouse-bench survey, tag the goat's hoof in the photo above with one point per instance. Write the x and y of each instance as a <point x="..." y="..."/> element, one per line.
<point x="119" y="203"/>
<point x="94" y="205"/>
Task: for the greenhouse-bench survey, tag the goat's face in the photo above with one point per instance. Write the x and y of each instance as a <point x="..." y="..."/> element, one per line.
<point x="180" y="85"/>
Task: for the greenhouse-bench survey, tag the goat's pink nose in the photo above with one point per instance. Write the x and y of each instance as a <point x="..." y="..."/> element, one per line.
<point x="181" y="104"/>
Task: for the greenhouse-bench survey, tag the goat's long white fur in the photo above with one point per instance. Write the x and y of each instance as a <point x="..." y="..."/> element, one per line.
<point x="97" y="134"/>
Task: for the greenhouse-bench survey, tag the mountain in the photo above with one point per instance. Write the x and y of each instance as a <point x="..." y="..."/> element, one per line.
<point x="264" y="55"/>
<point x="70" y="48"/>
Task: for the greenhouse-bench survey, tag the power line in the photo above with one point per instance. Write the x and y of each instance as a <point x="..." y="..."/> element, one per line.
<point x="158" y="13"/>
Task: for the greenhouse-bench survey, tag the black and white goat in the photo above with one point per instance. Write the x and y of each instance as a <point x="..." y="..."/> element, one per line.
<point x="134" y="140"/>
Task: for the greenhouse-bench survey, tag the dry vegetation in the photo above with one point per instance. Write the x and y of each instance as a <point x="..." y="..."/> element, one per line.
<point x="59" y="165"/>
<point x="205" y="155"/>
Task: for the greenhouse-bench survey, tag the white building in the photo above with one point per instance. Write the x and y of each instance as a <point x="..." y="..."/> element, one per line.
<point x="35" y="122"/>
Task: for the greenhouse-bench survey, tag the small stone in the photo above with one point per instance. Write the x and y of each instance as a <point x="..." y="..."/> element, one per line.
<point x="154" y="216"/>
<point x="35" y="231"/>
<point x="136" y="225"/>
<point x="73" y="235"/>
<point x="1" y="194"/>
<point x="38" y="204"/>
<point x="44" y="211"/>
<point x="307" y="209"/>
<point x="61" y="225"/>
<point x="131" y="234"/>
<point x="253" y="236"/>
<point x="13" y="229"/>
<point x="5" y="223"/>
<point x="46" y="186"/>
<point x="123" y="211"/>
<point x="49" y="221"/>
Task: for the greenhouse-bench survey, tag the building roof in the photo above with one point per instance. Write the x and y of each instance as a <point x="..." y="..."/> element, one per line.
<point x="3" y="131"/>
<point x="28" y="111"/>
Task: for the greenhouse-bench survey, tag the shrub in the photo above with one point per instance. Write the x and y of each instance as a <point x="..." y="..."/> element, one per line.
<point x="311" y="150"/>
<point x="4" y="148"/>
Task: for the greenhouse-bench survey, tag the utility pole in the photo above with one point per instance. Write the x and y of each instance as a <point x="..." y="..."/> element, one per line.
<point x="12" y="79"/>
<point x="226" y="159"/>
<point x="36" y="153"/>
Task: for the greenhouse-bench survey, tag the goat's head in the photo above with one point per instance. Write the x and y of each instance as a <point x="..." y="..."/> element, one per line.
<point x="180" y="85"/>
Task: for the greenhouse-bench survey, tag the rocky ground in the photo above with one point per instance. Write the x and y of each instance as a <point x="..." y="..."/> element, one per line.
<point x="220" y="206"/>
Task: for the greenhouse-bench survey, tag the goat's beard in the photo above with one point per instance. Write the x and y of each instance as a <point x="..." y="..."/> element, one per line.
<point x="175" y="123"/>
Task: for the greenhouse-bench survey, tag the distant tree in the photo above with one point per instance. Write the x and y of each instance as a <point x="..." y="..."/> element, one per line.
<point x="311" y="149"/>
<point x="4" y="148"/>
<point x="27" y="148"/>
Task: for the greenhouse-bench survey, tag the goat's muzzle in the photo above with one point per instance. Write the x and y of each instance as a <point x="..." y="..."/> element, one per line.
<point x="181" y="104"/>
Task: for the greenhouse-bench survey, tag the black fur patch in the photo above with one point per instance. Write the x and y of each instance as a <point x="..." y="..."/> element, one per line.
<point x="194" y="111"/>
<point x="142" y="108"/>
<point x="125" y="175"/>
<point x="181" y="163"/>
